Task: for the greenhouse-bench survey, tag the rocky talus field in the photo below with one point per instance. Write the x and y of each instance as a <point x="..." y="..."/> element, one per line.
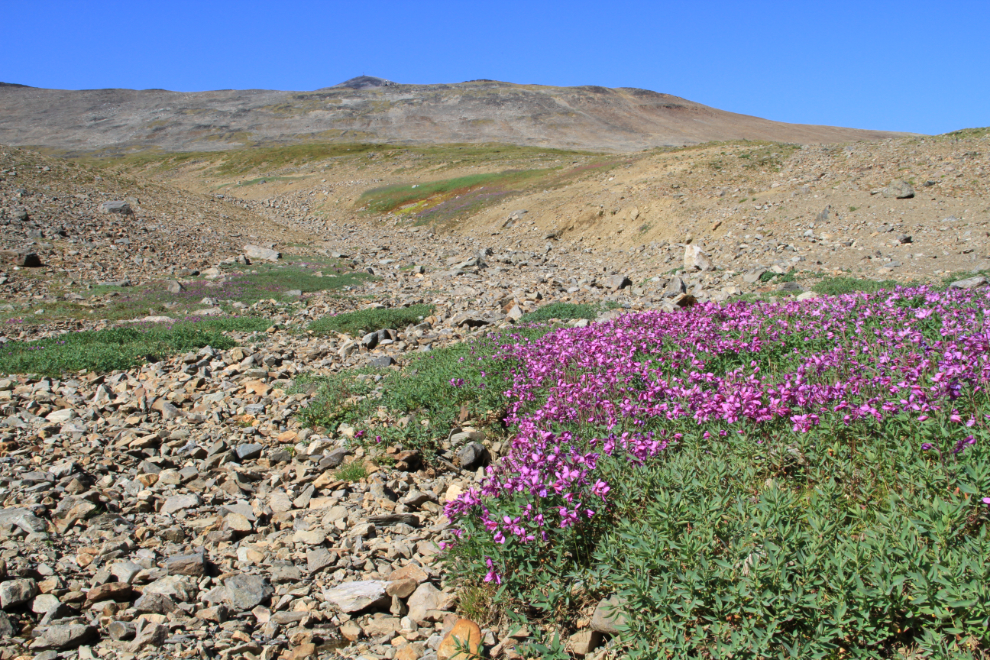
<point x="454" y="401"/>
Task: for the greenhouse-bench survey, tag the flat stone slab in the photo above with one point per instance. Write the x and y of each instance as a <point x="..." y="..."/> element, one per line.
<point x="357" y="596"/>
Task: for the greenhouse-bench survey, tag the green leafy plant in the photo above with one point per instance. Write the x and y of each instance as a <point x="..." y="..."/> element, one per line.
<point x="837" y="286"/>
<point x="369" y="320"/>
<point x="121" y="348"/>
<point x="353" y="471"/>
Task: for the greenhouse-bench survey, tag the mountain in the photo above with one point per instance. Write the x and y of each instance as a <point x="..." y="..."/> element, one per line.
<point x="370" y="109"/>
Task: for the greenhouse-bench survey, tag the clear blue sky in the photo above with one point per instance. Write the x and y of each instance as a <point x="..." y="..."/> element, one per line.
<point x="908" y="65"/>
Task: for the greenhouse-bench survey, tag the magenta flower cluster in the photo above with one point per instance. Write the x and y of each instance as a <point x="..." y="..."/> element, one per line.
<point x="629" y="388"/>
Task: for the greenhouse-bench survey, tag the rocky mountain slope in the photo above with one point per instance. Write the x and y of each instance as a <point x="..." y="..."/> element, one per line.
<point x="373" y="110"/>
<point x="184" y="507"/>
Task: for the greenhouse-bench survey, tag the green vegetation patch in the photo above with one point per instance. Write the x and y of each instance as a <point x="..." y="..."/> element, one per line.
<point x="837" y="286"/>
<point x="415" y="198"/>
<point x="369" y="320"/>
<point x="967" y="133"/>
<point x="433" y="389"/>
<point x="353" y="471"/>
<point x="121" y="348"/>
<point x="243" y="284"/>
<point x="768" y="157"/>
<point x="565" y="312"/>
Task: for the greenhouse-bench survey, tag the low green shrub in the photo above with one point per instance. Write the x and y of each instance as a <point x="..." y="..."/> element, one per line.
<point x="353" y="471"/>
<point x="121" y="348"/>
<point x="369" y="320"/>
<point x="837" y="286"/>
<point x="432" y="387"/>
<point x="566" y="312"/>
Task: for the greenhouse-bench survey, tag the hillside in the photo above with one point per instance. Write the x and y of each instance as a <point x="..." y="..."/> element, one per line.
<point x="325" y="398"/>
<point x="373" y="110"/>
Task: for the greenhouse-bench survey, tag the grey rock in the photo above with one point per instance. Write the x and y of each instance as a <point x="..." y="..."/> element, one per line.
<point x="17" y="592"/>
<point x="674" y="288"/>
<point x="695" y="259"/>
<point x="174" y="286"/>
<point x="44" y="603"/>
<point x="66" y="637"/>
<point x="381" y="361"/>
<point x="318" y="559"/>
<point x="370" y="340"/>
<point x="969" y="283"/>
<point x="245" y="592"/>
<point x="283" y="572"/>
<point x="6" y="627"/>
<point x="472" y="456"/>
<point x="179" y="502"/>
<point x="616" y="282"/>
<point x="155" y="603"/>
<point x="20" y="258"/>
<point x="898" y="190"/>
<point x="152" y="634"/>
<point x="264" y="254"/>
<point x="753" y="276"/>
<point x="192" y="564"/>
<point x="352" y="597"/>
<point x="117" y="206"/>
<point x="417" y="498"/>
<point x="334" y="458"/>
<point x="425" y="598"/>
<point x="249" y="452"/>
<point x="608" y="616"/>
<point x="121" y="630"/>
<point x="176" y="587"/>
<point x="22" y="519"/>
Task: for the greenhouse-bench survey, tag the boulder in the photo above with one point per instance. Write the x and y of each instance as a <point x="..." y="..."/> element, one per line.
<point x="898" y="190"/>
<point x="152" y="634"/>
<point x="66" y="637"/>
<point x="264" y="254"/>
<point x="353" y="597"/>
<point x="22" y="519"/>
<point x="608" y="616"/>
<point x="695" y="259"/>
<point x="20" y="258"/>
<point x="425" y="598"/>
<point x="117" y="206"/>
<point x="472" y="456"/>
<point x="969" y="283"/>
<point x="753" y="276"/>
<point x="14" y="593"/>
<point x="192" y="564"/>
<point x="674" y="288"/>
<point x="616" y="282"/>
<point x="245" y="592"/>
<point x="155" y="604"/>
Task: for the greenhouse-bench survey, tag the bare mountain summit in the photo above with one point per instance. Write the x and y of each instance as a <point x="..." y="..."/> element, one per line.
<point x="370" y="109"/>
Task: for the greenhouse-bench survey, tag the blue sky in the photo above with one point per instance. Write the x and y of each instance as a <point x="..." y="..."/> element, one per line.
<point x="908" y="66"/>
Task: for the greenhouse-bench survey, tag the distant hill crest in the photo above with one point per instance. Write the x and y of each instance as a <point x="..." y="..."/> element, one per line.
<point x="378" y="110"/>
<point x="365" y="82"/>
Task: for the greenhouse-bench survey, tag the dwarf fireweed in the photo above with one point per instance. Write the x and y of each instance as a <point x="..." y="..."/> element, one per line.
<point x="911" y="364"/>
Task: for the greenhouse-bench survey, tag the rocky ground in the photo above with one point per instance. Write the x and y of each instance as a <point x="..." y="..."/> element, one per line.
<point x="180" y="509"/>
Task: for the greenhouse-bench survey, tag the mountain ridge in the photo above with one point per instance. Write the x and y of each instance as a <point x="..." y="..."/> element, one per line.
<point x="371" y="109"/>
